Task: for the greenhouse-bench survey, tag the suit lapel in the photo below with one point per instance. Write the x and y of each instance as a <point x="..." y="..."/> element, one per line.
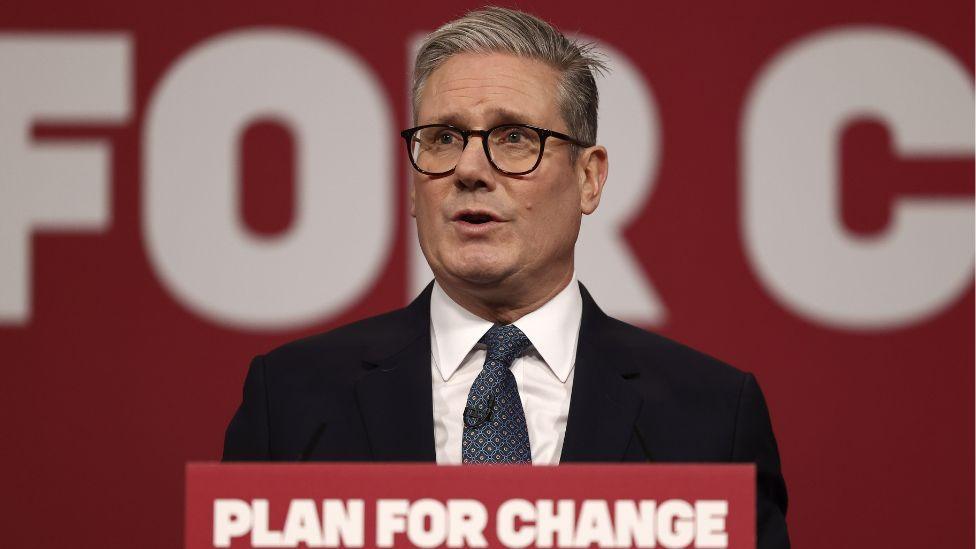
<point x="394" y="395"/>
<point x="603" y="408"/>
<point x="396" y="405"/>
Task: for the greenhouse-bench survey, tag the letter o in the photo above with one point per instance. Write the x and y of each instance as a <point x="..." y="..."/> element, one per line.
<point x="417" y="531"/>
<point x="343" y="224"/>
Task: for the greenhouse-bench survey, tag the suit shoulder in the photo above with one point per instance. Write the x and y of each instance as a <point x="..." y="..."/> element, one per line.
<point x="350" y="339"/>
<point x="650" y="351"/>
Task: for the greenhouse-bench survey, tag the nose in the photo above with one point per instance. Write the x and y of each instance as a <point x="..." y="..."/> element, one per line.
<point x="473" y="170"/>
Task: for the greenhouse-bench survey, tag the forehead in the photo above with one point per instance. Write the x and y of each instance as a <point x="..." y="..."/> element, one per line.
<point x="481" y="89"/>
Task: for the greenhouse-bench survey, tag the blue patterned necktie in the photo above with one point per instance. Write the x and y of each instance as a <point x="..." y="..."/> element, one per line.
<point x="494" y="422"/>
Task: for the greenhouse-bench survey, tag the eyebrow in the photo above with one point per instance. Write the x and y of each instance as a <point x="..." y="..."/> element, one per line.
<point x="498" y="115"/>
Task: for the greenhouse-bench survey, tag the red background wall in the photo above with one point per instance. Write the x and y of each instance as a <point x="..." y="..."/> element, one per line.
<point x="112" y="385"/>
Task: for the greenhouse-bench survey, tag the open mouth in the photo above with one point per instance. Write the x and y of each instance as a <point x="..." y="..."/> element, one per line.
<point x="475" y="218"/>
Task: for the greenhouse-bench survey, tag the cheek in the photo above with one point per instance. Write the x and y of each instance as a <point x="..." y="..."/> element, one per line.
<point x="552" y="218"/>
<point x="426" y="203"/>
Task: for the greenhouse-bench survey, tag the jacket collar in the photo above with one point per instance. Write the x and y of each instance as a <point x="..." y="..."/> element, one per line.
<point x="553" y="330"/>
<point x="394" y="395"/>
<point x="603" y="409"/>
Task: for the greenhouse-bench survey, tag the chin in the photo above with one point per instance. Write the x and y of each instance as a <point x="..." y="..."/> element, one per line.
<point x="479" y="268"/>
<point x="479" y="274"/>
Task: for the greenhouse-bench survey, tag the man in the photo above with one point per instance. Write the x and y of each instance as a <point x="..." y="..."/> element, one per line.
<point x="505" y="357"/>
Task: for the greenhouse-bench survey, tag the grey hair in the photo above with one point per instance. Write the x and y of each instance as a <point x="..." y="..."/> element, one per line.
<point x="500" y="30"/>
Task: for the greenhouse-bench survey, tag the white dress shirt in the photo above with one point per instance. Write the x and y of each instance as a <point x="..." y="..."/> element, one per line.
<point x="543" y="374"/>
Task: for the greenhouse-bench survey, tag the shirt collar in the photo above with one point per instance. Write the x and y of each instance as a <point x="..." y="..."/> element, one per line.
<point x="553" y="330"/>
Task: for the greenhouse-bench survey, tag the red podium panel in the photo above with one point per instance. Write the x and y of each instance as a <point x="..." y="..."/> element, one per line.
<point x="408" y="505"/>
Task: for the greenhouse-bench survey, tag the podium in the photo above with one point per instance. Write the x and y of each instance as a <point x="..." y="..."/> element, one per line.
<point x="424" y="505"/>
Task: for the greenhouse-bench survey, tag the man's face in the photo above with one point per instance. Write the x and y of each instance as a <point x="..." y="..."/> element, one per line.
<point x="535" y="218"/>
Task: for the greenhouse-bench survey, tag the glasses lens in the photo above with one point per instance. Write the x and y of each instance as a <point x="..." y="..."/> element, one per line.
<point x="514" y="148"/>
<point x="436" y="149"/>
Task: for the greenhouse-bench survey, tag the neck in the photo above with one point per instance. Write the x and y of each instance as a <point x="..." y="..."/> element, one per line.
<point x="499" y="303"/>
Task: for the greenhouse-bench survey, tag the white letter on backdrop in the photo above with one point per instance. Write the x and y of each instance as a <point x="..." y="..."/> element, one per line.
<point x="791" y="225"/>
<point x="65" y="78"/>
<point x="343" y="226"/>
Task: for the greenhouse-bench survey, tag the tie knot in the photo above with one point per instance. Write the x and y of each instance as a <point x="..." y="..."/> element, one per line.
<point x="505" y="342"/>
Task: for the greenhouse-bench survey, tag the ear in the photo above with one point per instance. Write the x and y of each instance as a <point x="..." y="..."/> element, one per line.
<point x="593" y="170"/>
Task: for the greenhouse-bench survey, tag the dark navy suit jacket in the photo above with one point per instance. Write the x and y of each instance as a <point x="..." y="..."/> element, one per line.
<point x="363" y="392"/>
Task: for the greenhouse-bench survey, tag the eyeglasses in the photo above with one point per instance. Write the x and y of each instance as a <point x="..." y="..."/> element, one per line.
<point x="513" y="149"/>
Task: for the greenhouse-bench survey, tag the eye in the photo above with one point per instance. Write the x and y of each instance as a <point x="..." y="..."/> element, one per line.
<point x="439" y="137"/>
<point x="512" y="135"/>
